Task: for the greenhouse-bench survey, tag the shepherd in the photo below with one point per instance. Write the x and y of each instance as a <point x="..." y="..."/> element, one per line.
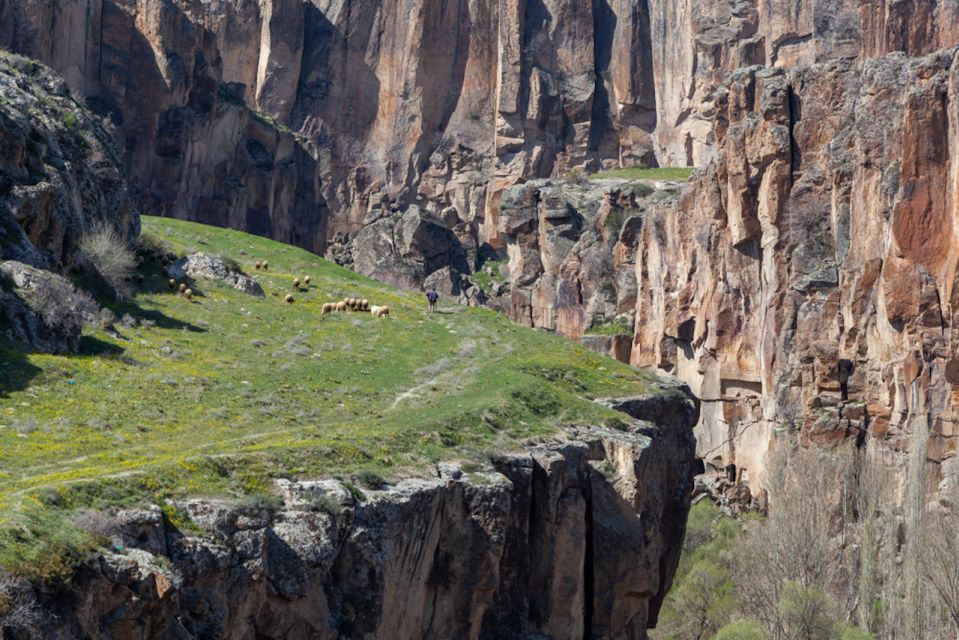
<point x="432" y="297"/>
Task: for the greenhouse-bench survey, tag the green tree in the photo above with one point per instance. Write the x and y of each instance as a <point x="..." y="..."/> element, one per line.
<point x="742" y="630"/>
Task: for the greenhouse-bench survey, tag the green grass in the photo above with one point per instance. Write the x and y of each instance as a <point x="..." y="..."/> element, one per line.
<point x="680" y="174"/>
<point x="486" y="281"/>
<point x="615" y="328"/>
<point x="221" y="395"/>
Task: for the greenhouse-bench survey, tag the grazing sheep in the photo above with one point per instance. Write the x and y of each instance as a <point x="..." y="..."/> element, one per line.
<point x="265" y="265"/>
<point x="328" y="308"/>
<point x="182" y="288"/>
<point x="257" y="266"/>
<point x="188" y="294"/>
<point x="380" y="312"/>
<point x="172" y="283"/>
<point x="341" y="306"/>
<point x="306" y="280"/>
<point x="365" y="305"/>
<point x="296" y="283"/>
<point x="289" y="298"/>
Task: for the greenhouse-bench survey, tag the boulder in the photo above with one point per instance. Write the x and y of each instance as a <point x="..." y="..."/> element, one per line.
<point x="41" y="309"/>
<point x="203" y="265"/>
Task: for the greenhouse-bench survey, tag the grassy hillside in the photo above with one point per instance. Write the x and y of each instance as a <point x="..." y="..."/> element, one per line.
<point x="220" y="395"/>
<point x="646" y="173"/>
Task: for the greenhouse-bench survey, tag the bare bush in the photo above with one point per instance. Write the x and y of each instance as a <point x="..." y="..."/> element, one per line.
<point x="61" y="305"/>
<point x="19" y="610"/>
<point x="939" y="556"/>
<point x="804" y="548"/>
<point x="107" y="252"/>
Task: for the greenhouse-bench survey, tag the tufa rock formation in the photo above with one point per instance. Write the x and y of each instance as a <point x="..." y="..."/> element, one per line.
<point x="806" y="284"/>
<point x="60" y="175"/>
<point x="576" y="537"/>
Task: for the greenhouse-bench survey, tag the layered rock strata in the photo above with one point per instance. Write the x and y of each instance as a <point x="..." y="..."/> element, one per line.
<point x="568" y="539"/>
<point x="806" y="283"/>
<point x="296" y="119"/>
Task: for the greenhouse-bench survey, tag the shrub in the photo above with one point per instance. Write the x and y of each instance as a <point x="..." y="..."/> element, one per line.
<point x="326" y="504"/>
<point x="260" y="503"/>
<point x="108" y="253"/>
<point x="741" y="630"/>
<point x="62" y="306"/>
<point x="151" y="247"/>
<point x="354" y="490"/>
<point x="18" y="608"/>
<point x="370" y="479"/>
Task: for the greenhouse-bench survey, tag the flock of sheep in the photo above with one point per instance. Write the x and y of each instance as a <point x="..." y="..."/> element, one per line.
<point x="355" y="304"/>
<point x="346" y="304"/>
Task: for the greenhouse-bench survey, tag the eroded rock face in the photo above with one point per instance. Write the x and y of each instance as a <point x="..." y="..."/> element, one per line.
<point x="60" y="175"/>
<point x="203" y="265"/>
<point x="582" y="535"/>
<point x="807" y="281"/>
<point x="293" y="119"/>
<point x="571" y="249"/>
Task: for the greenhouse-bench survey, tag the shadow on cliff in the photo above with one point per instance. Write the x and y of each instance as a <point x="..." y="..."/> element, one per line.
<point x="642" y="111"/>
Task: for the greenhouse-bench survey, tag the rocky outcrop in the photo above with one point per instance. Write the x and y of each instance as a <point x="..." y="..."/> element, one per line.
<point x="296" y="119"/>
<point x="203" y="265"/>
<point x="806" y="283"/>
<point x="42" y="310"/>
<point x="568" y="539"/>
<point x="571" y="248"/>
<point x="60" y="175"/>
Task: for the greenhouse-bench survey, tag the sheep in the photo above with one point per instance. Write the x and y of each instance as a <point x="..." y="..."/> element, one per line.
<point x="265" y="265"/>
<point x="188" y="294"/>
<point x="341" y="306"/>
<point x="289" y="298"/>
<point x="257" y="266"/>
<point x="296" y="283"/>
<point x="172" y="284"/>
<point x="182" y="288"/>
<point x="328" y="308"/>
<point x="380" y="312"/>
<point x="365" y="305"/>
<point x="306" y="280"/>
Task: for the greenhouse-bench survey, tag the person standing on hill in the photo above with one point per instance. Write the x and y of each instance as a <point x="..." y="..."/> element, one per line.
<point x="432" y="297"/>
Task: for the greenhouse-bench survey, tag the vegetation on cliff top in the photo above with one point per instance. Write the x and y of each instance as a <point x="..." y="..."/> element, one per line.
<point x="220" y="395"/>
<point x="678" y="174"/>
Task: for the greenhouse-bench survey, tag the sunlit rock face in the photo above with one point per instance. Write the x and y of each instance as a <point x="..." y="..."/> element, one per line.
<point x="295" y="118"/>
<point x="806" y="282"/>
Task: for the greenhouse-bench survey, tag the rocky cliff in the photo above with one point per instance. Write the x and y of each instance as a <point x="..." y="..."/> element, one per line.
<point x="60" y="174"/>
<point x="297" y="119"/>
<point x="806" y="283"/>
<point x="569" y="539"/>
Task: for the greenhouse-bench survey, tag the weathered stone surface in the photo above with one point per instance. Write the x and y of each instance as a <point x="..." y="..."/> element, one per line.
<point x="41" y="309"/>
<point x="297" y="119"/>
<point x="574" y="537"/>
<point x="571" y="251"/>
<point x="202" y="265"/>
<point x="816" y="258"/>
<point x="59" y="172"/>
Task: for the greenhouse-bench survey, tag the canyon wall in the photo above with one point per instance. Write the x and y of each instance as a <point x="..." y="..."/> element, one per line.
<point x="574" y="538"/>
<point x="363" y="122"/>
<point x="297" y="118"/>
<point x="805" y="285"/>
